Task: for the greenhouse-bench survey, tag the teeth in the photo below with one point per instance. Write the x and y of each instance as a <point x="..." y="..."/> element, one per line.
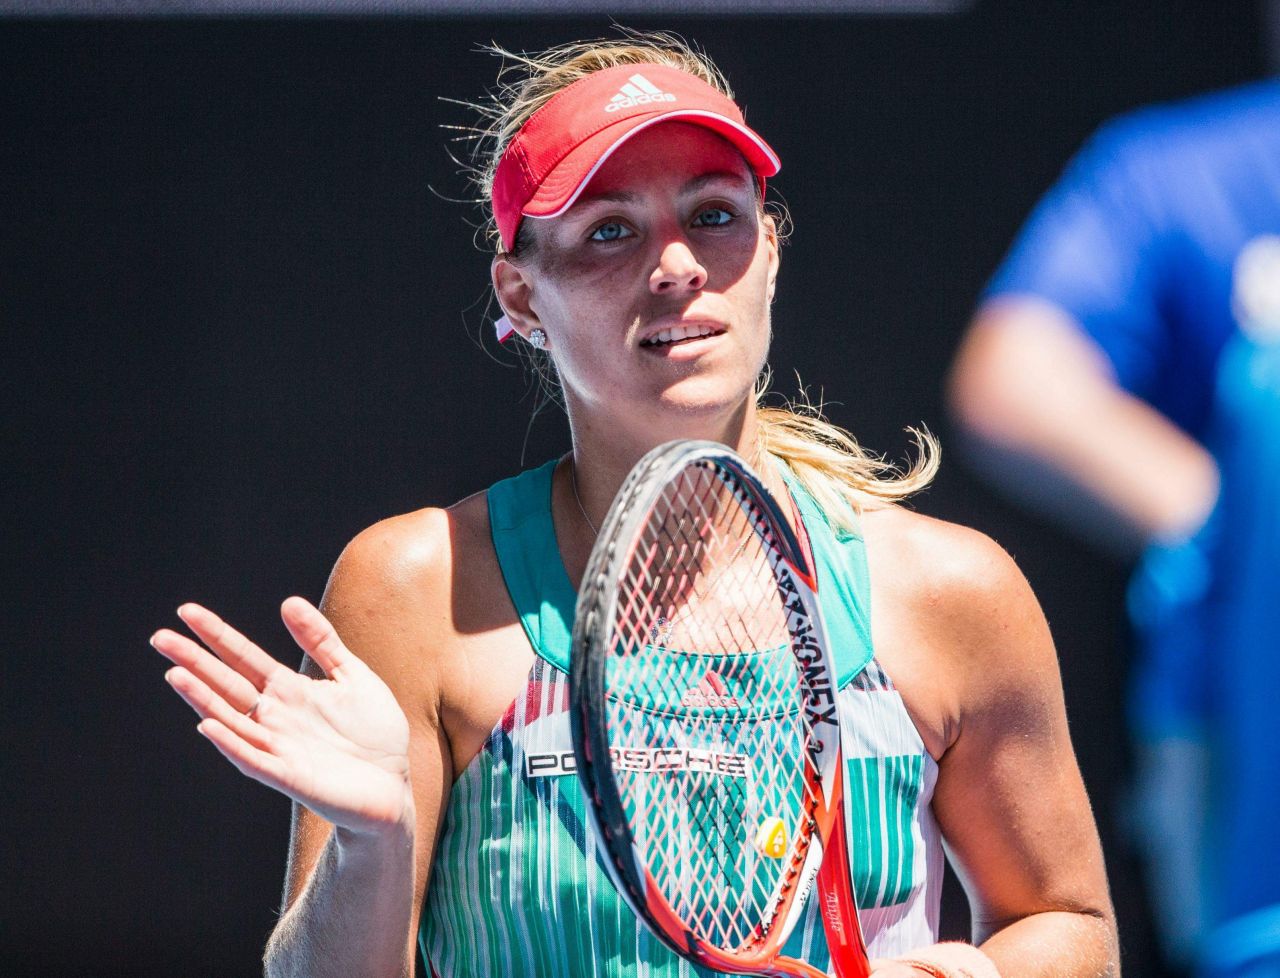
<point x="677" y="333"/>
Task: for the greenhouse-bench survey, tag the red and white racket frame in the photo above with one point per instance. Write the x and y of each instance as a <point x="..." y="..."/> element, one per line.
<point x="826" y="854"/>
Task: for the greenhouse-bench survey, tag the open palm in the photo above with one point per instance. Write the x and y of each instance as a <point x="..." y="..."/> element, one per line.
<point x="338" y="745"/>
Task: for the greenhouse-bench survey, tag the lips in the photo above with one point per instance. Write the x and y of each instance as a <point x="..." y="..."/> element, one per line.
<point x="681" y="332"/>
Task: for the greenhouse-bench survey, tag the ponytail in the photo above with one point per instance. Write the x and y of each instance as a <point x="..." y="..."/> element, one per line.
<point x="841" y="476"/>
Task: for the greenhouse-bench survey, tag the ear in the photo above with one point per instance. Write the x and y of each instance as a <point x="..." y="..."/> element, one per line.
<point x="775" y="252"/>
<point x="513" y="287"/>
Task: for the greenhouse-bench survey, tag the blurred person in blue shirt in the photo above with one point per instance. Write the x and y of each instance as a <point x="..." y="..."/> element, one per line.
<point x="1124" y="364"/>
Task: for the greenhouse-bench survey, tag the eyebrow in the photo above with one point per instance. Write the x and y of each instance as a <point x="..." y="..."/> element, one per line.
<point x="693" y="186"/>
<point x="715" y="176"/>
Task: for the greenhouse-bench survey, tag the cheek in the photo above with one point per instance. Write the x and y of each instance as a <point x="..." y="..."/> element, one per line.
<point x="586" y="351"/>
<point x="587" y="317"/>
<point x="754" y="287"/>
<point x="764" y="339"/>
<point x="576" y="296"/>
<point x="574" y="264"/>
<point x="759" y="310"/>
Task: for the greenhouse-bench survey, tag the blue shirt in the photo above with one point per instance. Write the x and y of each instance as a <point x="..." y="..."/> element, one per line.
<point x="1138" y="239"/>
<point x="1141" y="242"/>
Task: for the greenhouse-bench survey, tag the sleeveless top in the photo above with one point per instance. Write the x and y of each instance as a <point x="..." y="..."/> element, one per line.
<point x="517" y="888"/>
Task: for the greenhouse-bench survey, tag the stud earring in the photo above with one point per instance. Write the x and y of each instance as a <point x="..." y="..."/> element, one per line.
<point x="538" y="338"/>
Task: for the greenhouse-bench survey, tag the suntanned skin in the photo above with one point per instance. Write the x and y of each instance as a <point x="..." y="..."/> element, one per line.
<point x="419" y="601"/>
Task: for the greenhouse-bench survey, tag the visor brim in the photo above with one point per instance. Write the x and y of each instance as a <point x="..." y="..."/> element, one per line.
<point x="564" y="185"/>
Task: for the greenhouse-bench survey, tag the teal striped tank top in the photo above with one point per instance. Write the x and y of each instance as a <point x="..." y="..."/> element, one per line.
<point x="517" y="889"/>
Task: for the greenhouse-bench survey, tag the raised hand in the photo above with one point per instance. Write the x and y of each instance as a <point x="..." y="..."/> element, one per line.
<point x="338" y="745"/>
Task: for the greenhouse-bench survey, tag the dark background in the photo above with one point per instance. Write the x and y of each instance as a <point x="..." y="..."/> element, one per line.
<point x="242" y="320"/>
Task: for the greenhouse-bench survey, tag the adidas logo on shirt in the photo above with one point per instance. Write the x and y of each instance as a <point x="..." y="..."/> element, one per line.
<point x="710" y="692"/>
<point x="638" y="90"/>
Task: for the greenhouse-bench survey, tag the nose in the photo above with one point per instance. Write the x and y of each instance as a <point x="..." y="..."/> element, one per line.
<point x="678" y="270"/>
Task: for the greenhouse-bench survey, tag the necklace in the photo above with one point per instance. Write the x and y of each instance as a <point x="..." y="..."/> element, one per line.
<point x="663" y="627"/>
<point x="573" y="479"/>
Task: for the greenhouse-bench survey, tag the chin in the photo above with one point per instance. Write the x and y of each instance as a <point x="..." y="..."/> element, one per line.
<point x="702" y="401"/>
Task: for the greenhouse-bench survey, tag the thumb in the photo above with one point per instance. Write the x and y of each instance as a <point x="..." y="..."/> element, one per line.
<point x="314" y="634"/>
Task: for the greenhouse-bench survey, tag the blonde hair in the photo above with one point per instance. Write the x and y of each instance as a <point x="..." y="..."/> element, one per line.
<point x="526" y="82"/>
<point x="840" y="474"/>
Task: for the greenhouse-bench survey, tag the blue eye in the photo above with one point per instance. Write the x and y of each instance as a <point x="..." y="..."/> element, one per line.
<point x="713" y="217"/>
<point x="613" y="231"/>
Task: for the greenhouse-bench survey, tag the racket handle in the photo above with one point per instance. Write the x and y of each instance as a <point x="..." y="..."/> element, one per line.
<point x="839" y="909"/>
<point x="793" y="968"/>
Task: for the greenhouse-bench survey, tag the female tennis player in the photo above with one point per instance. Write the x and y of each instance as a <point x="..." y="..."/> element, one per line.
<point x="424" y="741"/>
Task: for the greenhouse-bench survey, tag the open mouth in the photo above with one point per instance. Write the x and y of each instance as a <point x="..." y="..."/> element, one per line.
<point x="681" y="334"/>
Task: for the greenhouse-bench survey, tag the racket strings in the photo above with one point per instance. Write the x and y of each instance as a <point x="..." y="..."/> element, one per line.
<point x="707" y="738"/>
<point x="709" y="592"/>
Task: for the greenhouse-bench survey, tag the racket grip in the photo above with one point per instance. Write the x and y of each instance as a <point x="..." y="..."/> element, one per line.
<point x="840" y="910"/>
<point x="793" y="968"/>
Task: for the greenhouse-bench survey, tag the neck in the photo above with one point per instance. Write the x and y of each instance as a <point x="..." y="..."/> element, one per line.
<point x="604" y="453"/>
<point x="587" y="481"/>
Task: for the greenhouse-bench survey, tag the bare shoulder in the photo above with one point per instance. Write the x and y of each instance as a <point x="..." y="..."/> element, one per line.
<point x="395" y="556"/>
<point x="390" y="594"/>
<point x="953" y="569"/>
<point x="952" y="605"/>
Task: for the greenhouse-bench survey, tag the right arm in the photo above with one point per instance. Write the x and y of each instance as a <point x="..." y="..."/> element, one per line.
<point x="354" y="738"/>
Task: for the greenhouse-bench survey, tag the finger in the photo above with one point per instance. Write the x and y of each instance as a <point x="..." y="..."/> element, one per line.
<point x="209" y="705"/>
<point x="236" y="650"/>
<point x="215" y="673"/>
<point x="315" y="635"/>
<point x="251" y="760"/>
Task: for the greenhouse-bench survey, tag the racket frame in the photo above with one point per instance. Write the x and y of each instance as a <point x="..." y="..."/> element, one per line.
<point x="795" y="574"/>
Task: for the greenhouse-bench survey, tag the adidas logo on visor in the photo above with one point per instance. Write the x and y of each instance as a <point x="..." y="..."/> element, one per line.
<point x="638" y="90"/>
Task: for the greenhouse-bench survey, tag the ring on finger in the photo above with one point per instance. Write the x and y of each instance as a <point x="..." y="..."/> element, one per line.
<point x="253" y="709"/>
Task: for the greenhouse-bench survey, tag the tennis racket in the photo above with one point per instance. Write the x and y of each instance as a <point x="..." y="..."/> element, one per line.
<point x="703" y="708"/>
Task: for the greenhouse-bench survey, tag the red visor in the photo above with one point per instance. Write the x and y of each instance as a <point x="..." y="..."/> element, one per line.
<point x="551" y="159"/>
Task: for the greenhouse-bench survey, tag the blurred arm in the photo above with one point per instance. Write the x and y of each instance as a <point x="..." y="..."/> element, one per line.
<point x="1028" y="381"/>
